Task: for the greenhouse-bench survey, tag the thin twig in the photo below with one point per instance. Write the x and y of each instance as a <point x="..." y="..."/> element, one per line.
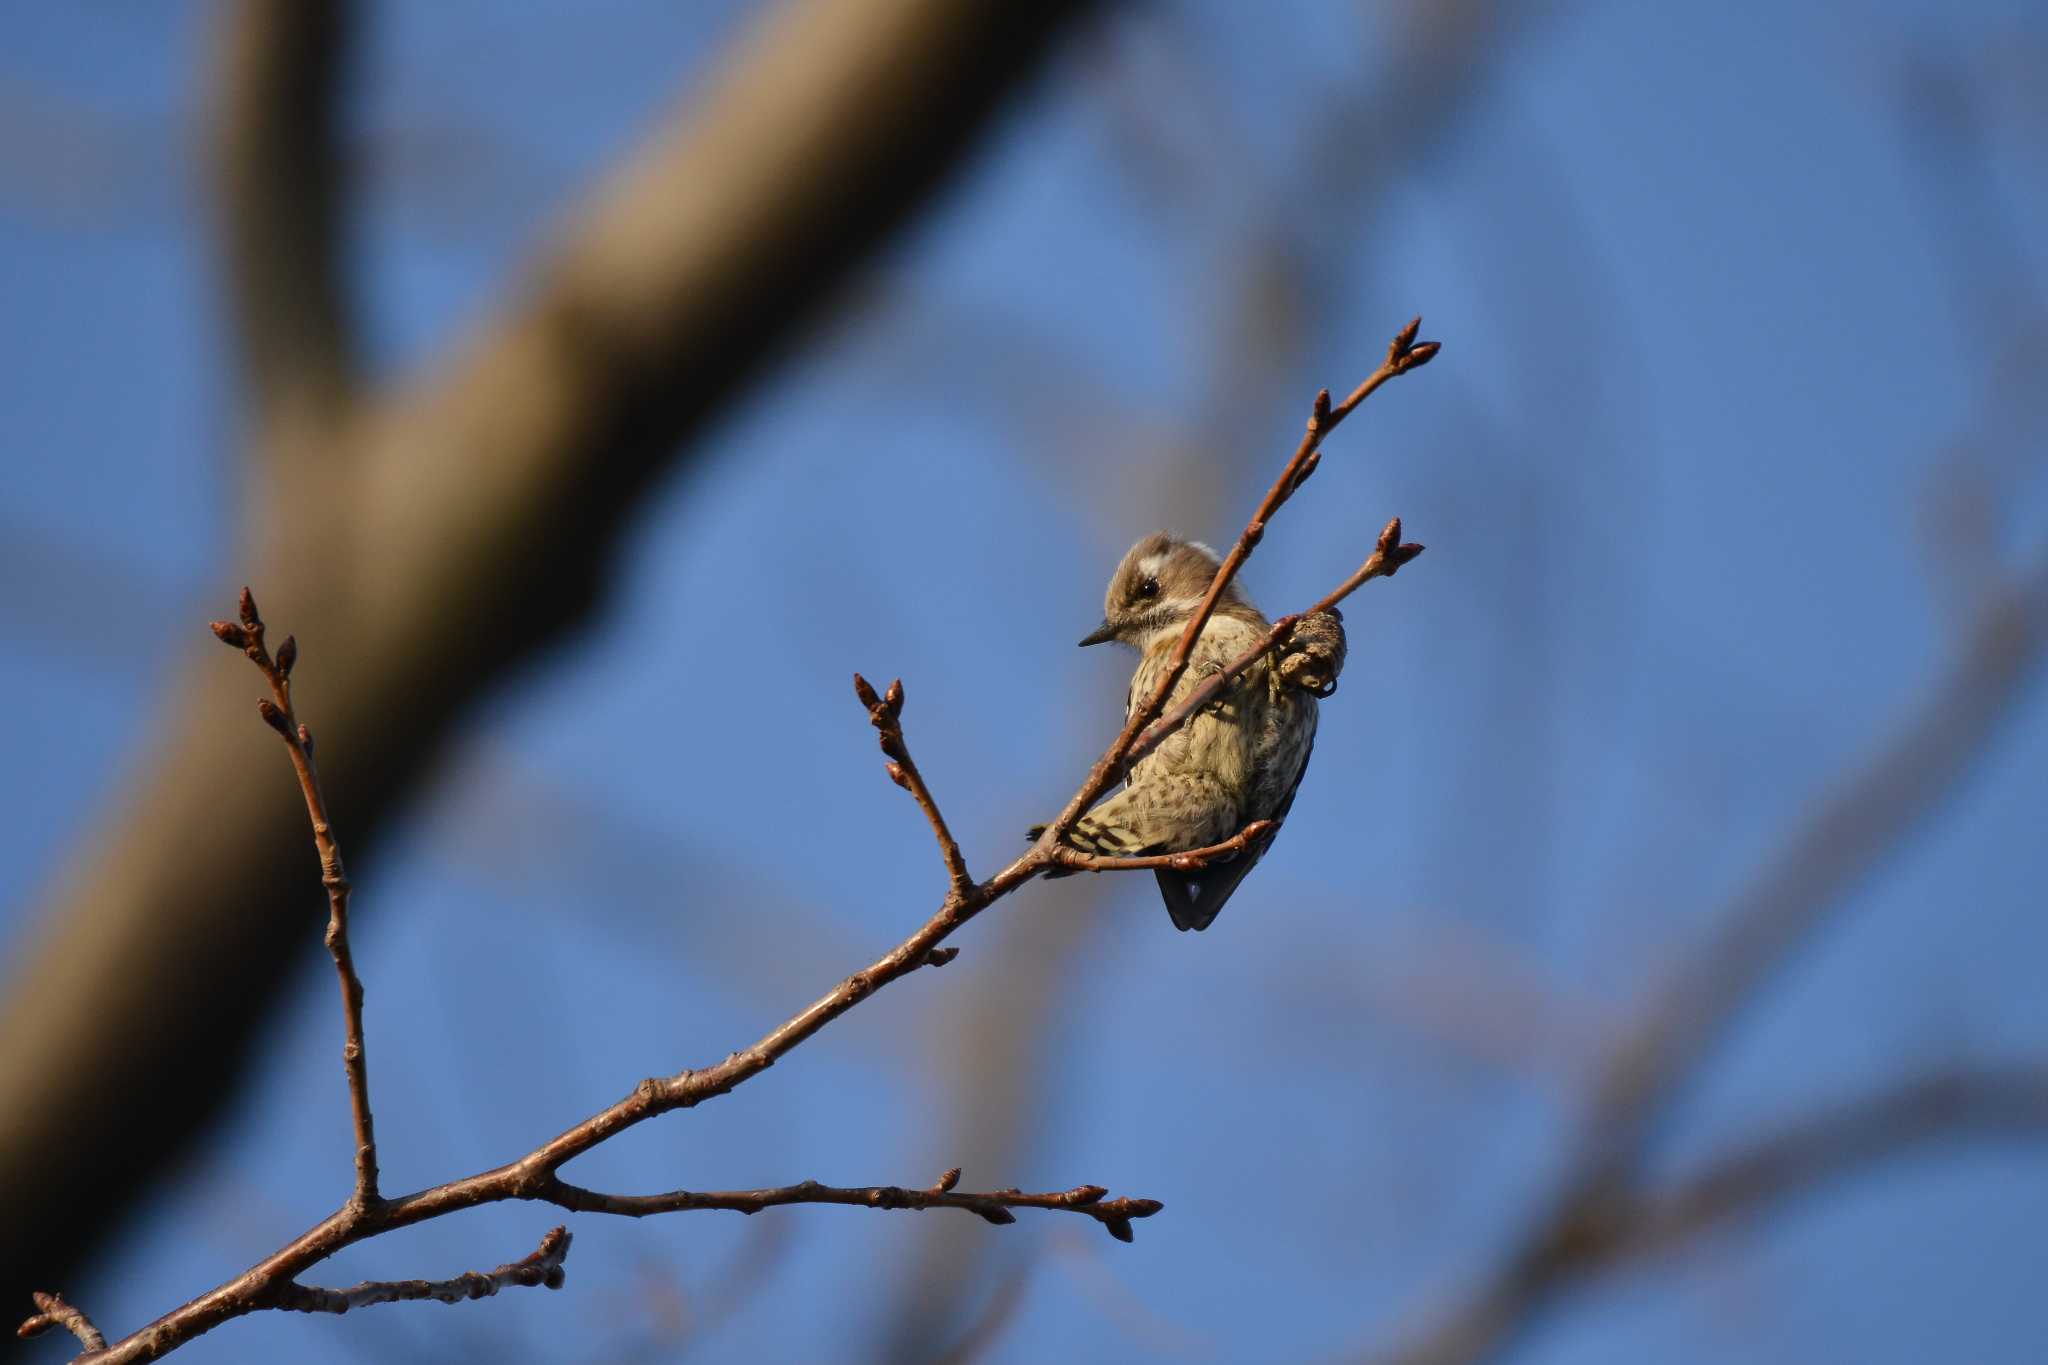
<point x="885" y="713"/>
<point x="1403" y="355"/>
<point x="992" y="1206"/>
<point x="1192" y="860"/>
<point x="277" y="713"/>
<point x="541" y="1269"/>
<point x="52" y="1311"/>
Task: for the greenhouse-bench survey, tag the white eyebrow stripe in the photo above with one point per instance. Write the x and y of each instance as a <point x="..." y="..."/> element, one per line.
<point x="1151" y="564"/>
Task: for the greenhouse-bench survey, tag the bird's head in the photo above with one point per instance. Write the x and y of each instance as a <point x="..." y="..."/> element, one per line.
<point x="1156" y="589"/>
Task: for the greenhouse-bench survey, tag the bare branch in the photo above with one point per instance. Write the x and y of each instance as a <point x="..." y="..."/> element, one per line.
<point x="276" y="711"/>
<point x="52" y="1311"/>
<point x="541" y="1269"/>
<point x="993" y="1206"/>
<point x="885" y="714"/>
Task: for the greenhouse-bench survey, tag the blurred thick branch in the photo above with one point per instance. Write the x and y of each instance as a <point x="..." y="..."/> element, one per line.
<point x="450" y="526"/>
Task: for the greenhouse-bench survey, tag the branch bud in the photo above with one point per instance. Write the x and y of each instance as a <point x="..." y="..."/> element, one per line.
<point x="865" y="692"/>
<point x="287" y="655"/>
<point x="1421" y="355"/>
<point x="948" y="1180"/>
<point x="273" y="717"/>
<point x="228" y="633"/>
<point x="248" y="605"/>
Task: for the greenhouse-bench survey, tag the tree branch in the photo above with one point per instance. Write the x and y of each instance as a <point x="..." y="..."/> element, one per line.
<point x="884" y="714"/>
<point x="277" y="713"/>
<point x="993" y="1206"/>
<point x="540" y="1269"/>
<point x="52" y="1311"/>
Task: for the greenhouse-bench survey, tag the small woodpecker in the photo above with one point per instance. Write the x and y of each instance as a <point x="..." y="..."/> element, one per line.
<point x="1241" y="758"/>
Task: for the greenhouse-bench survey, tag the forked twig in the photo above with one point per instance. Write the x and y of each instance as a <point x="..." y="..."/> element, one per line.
<point x="52" y="1311"/>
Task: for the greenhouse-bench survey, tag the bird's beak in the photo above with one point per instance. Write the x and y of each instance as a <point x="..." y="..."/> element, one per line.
<point x="1101" y="635"/>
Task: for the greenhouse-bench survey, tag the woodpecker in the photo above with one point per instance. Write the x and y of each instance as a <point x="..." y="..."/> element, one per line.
<point x="1241" y="758"/>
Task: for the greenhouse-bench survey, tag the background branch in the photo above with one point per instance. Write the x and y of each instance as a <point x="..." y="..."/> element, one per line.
<point x="539" y="1269"/>
<point x="1840" y="1142"/>
<point x="1655" y="1056"/>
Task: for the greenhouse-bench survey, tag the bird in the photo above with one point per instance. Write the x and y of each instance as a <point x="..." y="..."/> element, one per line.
<point x="1241" y="758"/>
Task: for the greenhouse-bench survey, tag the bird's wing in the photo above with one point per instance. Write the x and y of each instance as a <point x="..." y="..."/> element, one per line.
<point x="1194" y="899"/>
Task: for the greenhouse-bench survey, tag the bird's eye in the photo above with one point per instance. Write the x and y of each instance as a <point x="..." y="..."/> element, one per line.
<point x="1149" y="588"/>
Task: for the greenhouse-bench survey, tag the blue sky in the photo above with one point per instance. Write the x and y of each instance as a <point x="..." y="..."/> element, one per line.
<point x="1719" y="314"/>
